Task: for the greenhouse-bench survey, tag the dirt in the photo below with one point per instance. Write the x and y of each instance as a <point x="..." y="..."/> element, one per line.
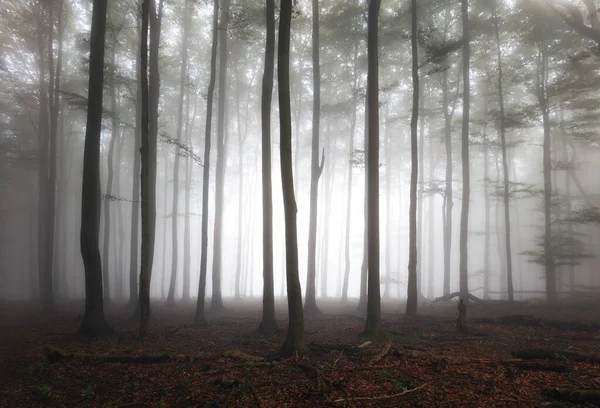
<point x="421" y="362"/>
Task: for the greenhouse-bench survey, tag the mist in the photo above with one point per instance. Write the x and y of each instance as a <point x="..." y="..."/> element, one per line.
<point x="439" y="152"/>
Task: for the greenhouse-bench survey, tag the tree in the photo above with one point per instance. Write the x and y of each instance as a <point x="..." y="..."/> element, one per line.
<point x="316" y="168"/>
<point x="206" y="169"/>
<point x="185" y="33"/>
<point x="217" y="300"/>
<point x="506" y="196"/>
<point x="151" y="17"/>
<point x="294" y="340"/>
<point x="466" y="175"/>
<point x="412" y="296"/>
<point x="93" y="322"/>
<point x="373" y="290"/>
<point x="268" y="322"/>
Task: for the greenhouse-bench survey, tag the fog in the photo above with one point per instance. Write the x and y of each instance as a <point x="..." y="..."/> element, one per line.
<point x="541" y="56"/>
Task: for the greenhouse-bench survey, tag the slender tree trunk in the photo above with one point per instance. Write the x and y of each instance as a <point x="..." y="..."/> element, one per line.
<point x="206" y="166"/>
<point x="148" y="179"/>
<point x="294" y="341"/>
<point x="373" y="294"/>
<point x="448" y="193"/>
<point x="549" y="263"/>
<point x="185" y="33"/>
<point x="135" y="206"/>
<point x="487" y="209"/>
<point x="217" y="300"/>
<point x="108" y="197"/>
<point x="506" y="195"/>
<point x="466" y="174"/>
<point x="412" y="295"/>
<point x="364" y="268"/>
<point x="268" y="322"/>
<point x="316" y="169"/>
<point x="93" y="322"/>
<point x="349" y="191"/>
<point x="569" y="163"/>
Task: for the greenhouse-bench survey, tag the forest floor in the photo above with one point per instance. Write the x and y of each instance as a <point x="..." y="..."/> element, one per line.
<point x="507" y="359"/>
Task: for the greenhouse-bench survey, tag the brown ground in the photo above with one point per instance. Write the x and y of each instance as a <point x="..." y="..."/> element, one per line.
<point x="212" y="365"/>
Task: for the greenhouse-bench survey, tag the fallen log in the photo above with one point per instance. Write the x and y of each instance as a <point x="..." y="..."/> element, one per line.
<point x="574" y="395"/>
<point x="553" y="355"/>
<point x="55" y="356"/>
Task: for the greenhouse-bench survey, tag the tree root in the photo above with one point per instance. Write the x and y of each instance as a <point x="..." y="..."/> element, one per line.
<point x="379" y="398"/>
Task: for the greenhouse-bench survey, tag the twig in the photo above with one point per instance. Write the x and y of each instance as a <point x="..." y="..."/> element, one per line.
<point x="256" y="397"/>
<point x="382" y="397"/>
<point x="338" y="359"/>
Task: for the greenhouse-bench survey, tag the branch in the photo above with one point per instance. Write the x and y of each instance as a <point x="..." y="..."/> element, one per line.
<point x="574" y="18"/>
<point x="382" y="397"/>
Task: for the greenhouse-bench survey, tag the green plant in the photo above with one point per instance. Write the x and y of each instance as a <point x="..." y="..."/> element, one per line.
<point x="43" y="393"/>
<point x="88" y="393"/>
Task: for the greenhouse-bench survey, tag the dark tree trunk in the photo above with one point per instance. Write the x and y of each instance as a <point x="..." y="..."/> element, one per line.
<point x="466" y="174"/>
<point x="149" y="141"/>
<point x="135" y="206"/>
<point x="506" y="196"/>
<point x="185" y="33"/>
<point x="268" y="322"/>
<point x="373" y="295"/>
<point x="294" y="341"/>
<point x="217" y="300"/>
<point x="487" y="208"/>
<point x="412" y="295"/>
<point x="316" y="169"/>
<point x="206" y="169"/>
<point x="94" y="322"/>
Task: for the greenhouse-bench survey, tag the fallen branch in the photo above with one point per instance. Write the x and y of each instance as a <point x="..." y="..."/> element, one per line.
<point x="382" y="397"/>
<point x="547" y="354"/>
<point x="54" y="356"/>
<point x="384" y="351"/>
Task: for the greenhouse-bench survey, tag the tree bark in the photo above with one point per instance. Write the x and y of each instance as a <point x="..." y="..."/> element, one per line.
<point x="294" y="341"/>
<point x="506" y="196"/>
<point x="466" y="174"/>
<point x="93" y="322"/>
<point x="268" y="322"/>
<point x="448" y="193"/>
<point x="185" y="33"/>
<point x="412" y="295"/>
<point x="316" y="169"/>
<point x="206" y="166"/>
<point x="217" y="299"/>
<point x="373" y="290"/>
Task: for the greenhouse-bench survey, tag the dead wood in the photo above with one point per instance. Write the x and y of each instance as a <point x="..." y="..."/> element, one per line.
<point x="55" y="356"/>
<point x="574" y="395"/>
<point x="384" y="351"/>
<point x="536" y="366"/>
<point x="548" y="354"/>
<point x="382" y="397"/>
<point x="469" y="296"/>
<point x="242" y="356"/>
<point x="528" y="320"/>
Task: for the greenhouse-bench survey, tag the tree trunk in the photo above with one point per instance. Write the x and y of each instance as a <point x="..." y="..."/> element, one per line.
<point x="185" y="33"/>
<point x="108" y="197"/>
<point x="373" y="295"/>
<point x="362" y="300"/>
<point x="316" y="169"/>
<point x="148" y="181"/>
<point x="487" y="209"/>
<point x="135" y="206"/>
<point x="506" y="196"/>
<point x="268" y="322"/>
<point x="549" y="263"/>
<point x="206" y="166"/>
<point x="294" y="341"/>
<point x="217" y="300"/>
<point x="412" y="295"/>
<point x="448" y="193"/>
<point x="466" y="174"/>
<point x="93" y="320"/>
